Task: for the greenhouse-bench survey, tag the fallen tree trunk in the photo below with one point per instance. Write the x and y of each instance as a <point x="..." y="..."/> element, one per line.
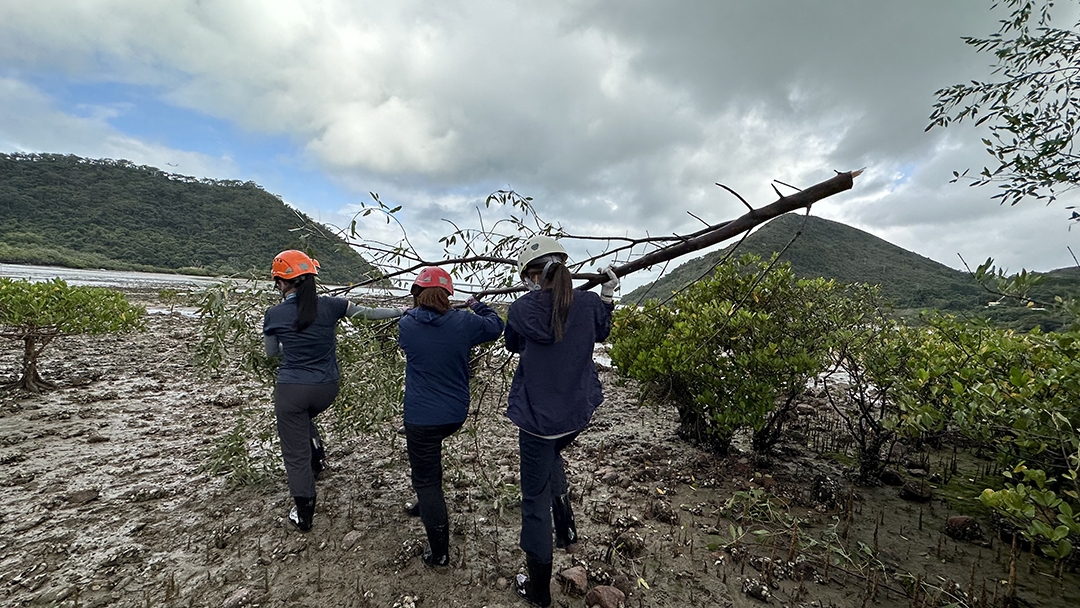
<point x="719" y="233"/>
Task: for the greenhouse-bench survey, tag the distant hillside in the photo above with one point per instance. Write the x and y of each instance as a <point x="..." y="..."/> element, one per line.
<point x="833" y="250"/>
<point x="70" y="211"/>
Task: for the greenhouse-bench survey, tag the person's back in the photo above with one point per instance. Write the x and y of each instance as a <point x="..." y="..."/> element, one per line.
<point x="552" y="397"/>
<point x="309" y="356"/>
<point x="555" y="388"/>
<point x="301" y="331"/>
<point x="436" y="340"/>
<point x="437" y="360"/>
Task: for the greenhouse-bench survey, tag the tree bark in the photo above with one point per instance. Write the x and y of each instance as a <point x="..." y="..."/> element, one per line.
<point x="717" y="234"/>
<point x="755" y="217"/>
<point x="31" y="381"/>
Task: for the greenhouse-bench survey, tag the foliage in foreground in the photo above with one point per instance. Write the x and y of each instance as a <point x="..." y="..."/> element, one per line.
<point x="35" y="314"/>
<point x="738" y="348"/>
<point x="231" y="346"/>
<point x="1029" y="106"/>
<point x="1016" y="395"/>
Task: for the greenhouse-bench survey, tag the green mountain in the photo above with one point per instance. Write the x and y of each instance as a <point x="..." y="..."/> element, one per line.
<point x="85" y="213"/>
<point x="911" y="282"/>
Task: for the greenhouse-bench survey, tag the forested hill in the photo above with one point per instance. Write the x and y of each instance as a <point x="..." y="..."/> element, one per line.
<point x="833" y="250"/>
<point x="84" y="213"/>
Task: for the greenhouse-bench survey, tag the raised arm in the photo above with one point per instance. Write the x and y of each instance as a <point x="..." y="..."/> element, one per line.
<point x="373" y="314"/>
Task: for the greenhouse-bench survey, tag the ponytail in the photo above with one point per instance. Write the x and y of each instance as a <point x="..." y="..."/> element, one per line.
<point x="562" y="295"/>
<point x="554" y="277"/>
<point x="307" y="301"/>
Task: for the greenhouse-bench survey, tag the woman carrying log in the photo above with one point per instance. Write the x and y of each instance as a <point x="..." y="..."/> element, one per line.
<point x="552" y="396"/>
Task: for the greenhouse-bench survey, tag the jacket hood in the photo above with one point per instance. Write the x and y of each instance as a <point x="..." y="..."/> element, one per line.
<point x="428" y="316"/>
<point x="535" y="310"/>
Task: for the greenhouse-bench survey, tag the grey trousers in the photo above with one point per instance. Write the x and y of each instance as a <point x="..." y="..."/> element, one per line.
<point x="296" y="406"/>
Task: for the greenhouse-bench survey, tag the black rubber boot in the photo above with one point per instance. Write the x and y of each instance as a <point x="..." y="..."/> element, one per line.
<point x="437" y="551"/>
<point x="303" y="513"/>
<point x="563" y="516"/>
<point x="318" y="457"/>
<point x="536" y="587"/>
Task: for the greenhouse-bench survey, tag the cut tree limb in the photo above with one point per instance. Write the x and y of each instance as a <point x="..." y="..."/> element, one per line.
<point x="720" y="233"/>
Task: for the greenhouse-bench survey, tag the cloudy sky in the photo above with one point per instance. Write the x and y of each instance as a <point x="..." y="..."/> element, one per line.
<point x="616" y="116"/>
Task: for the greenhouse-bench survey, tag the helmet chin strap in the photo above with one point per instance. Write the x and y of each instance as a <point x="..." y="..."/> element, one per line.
<point x="551" y="264"/>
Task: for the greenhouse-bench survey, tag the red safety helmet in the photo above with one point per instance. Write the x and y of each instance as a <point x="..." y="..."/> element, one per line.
<point x="292" y="263"/>
<point x="433" y="276"/>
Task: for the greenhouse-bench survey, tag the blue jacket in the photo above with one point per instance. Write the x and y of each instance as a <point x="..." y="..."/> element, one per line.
<point x="555" y="388"/>
<point x="309" y="356"/>
<point x="437" y="360"/>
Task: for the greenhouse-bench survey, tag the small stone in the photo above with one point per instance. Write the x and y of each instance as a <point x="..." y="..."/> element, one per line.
<point x="295" y="545"/>
<point x="916" y="491"/>
<point x="575" y="580"/>
<point x="622" y="583"/>
<point x="240" y="598"/>
<point x="825" y="491"/>
<point x="605" y="596"/>
<point x="963" y="527"/>
<point x="351" y="539"/>
<point x="756" y="589"/>
<point x="145" y="492"/>
<point x="95" y="438"/>
<point x="891" y="477"/>
<point x="81" y="497"/>
<point x="502" y="582"/>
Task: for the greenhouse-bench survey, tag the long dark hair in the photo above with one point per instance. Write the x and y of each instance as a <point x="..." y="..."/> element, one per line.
<point x="556" y="278"/>
<point x="307" y="301"/>
<point x="433" y="298"/>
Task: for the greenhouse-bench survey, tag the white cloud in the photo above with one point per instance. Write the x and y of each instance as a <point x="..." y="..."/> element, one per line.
<point x="31" y="124"/>
<point x="617" y="117"/>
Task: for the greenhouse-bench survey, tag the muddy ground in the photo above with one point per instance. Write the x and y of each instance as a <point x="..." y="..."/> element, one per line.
<point x="102" y="503"/>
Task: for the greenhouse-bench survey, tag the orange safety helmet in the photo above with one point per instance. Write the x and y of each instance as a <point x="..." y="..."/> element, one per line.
<point x="292" y="263"/>
<point x="433" y="276"/>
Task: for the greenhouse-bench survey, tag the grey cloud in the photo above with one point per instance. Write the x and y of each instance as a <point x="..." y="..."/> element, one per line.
<point x="614" y="115"/>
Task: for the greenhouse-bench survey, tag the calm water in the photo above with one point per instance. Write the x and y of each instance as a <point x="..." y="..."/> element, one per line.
<point x="105" y="278"/>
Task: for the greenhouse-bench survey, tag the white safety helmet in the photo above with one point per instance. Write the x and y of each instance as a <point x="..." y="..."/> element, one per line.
<point x="538" y="247"/>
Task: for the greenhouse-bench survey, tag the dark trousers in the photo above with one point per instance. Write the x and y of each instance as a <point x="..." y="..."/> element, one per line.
<point x="543" y="477"/>
<point x="296" y="406"/>
<point x="424" y="444"/>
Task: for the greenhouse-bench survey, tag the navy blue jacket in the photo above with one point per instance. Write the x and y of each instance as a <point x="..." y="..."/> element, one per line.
<point x="437" y="360"/>
<point x="309" y="356"/>
<point x="555" y="388"/>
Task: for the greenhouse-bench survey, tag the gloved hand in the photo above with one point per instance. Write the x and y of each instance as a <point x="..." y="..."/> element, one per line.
<point x="403" y="309"/>
<point x="608" y="287"/>
<point x="473" y="303"/>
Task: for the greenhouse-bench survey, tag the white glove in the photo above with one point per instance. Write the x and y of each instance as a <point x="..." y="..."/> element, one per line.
<point x="608" y="287"/>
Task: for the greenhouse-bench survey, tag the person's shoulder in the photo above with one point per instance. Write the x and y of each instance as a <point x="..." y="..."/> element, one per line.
<point x="523" y="303"/>
<point x="277" y="309"/>
<point x="588" y="297"/>
<point x="407" y="321"/>
<point x="335" y="303"/>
